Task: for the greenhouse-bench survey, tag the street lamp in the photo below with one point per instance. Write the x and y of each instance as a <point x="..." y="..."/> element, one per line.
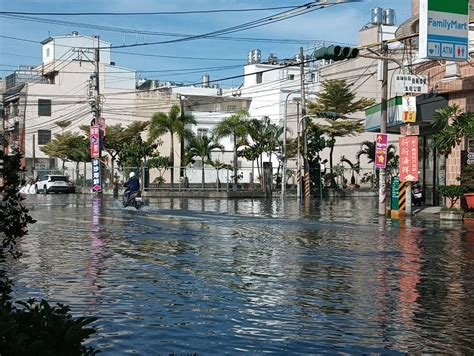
<point x="285" y="121"/>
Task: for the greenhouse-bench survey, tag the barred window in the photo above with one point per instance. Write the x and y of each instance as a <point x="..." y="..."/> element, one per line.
<point x="44" y="136"/>
<point x="202" y="132"/>
<point x="44" y="107"/>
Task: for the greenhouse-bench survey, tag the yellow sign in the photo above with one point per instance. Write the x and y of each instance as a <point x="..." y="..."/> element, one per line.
<point x="409" y="116"/>
<point x="408" y="108"/>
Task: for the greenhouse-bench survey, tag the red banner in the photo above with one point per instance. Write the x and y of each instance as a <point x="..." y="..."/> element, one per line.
<point x="381" y="143"/>
<point x="408" y="159"/>
<point x="95" y="141"/>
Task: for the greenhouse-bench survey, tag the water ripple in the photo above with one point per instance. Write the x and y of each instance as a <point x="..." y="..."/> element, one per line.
<point x="214" y="276"/>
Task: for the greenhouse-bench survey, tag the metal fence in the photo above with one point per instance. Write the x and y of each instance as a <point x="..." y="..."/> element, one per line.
<point x="191" y="179"/>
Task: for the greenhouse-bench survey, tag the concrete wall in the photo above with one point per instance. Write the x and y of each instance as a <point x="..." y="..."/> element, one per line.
<point x="68" y="96"/>
<point x="73" y="47"/>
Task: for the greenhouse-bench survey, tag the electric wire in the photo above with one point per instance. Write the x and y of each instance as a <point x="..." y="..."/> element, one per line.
<point x="188" y="12"/>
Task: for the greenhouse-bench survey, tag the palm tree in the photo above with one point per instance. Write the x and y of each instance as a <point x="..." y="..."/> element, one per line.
<point x="264" y="137"/>
<point x="450" y="125"/>
<point x="218" y="165"/>
<point x="202" y="147"/>
<point x="172" y="123"/>
<point x="235" y="127"/>
<point x="368" y="149"/>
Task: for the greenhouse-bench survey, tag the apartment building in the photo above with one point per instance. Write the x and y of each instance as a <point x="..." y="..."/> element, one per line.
<point x="43" y="100"/>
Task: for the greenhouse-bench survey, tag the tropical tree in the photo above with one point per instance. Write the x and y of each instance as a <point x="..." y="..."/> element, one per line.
<point x="338" y="98"/>
<point x="67" y="146"/>
<point x="251" y="153"/>
<point x="161" y="164"/>
<point x="63" y="124"/>
<point x="367" y="148"/>
<point x="451" y="126"/>
<point x="174" y="124"/>
<point x="202" y="147"/>
<point x="218" y="165"/>
<point x="235" y="127"/>
<point x="265" y="137"/>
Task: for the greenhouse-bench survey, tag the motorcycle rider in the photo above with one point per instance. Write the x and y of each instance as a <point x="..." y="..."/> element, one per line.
<point x="417" y="193"/>
<point x="132" y="185"/>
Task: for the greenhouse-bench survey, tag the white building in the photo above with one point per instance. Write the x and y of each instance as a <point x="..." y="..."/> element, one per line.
<point x="38" y="98"/>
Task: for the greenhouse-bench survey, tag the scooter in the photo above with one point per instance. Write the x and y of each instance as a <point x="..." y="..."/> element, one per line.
<point x="417" y="194"/>
<point x="134" y="199"/>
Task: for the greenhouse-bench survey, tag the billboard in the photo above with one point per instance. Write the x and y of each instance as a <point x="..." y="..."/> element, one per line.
<point x="381" y="143"/>
<point x="95" y="141"/>
<point x="408" y="158"/>
<point x="444" y="29"/>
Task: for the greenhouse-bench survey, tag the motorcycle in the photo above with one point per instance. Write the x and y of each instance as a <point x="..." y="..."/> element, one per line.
<point x="417" y="194"/>
<point x="134" y="199"/>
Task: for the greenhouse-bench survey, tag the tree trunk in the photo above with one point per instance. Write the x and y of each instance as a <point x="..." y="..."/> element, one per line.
<point x="85" y="172"/>
<point x="172" y="160"/>
<point x="181" y="157"/>
<point x="333" y="181"/>
<point x="203" y="175"/>
<point x="113" y="170"/>
<point x="253" y="173"/>
<point x="234" y="186"/>
<point x="77" y="171"/>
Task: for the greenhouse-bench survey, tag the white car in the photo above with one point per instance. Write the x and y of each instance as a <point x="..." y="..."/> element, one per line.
<point x="51" y="183"/>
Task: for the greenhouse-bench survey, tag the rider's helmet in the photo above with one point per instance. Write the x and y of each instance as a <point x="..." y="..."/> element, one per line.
<point x="132" y="174"/>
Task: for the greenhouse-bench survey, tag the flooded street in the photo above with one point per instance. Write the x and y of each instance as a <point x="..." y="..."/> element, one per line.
<point x="229" y="276"/>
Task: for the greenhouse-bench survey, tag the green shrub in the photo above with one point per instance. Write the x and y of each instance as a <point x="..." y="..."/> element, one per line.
<point x="39" y="329"/>
<point x="452" y="192"/>
<point x="30" y="328"/>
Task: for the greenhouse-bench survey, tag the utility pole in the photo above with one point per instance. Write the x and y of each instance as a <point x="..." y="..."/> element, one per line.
<point x="306" y="187"/>
<point x="383" y="130"/>
<point x="97" y="133"/>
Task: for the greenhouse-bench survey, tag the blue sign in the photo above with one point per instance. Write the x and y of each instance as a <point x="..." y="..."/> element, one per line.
<point x="96" y="176"/>
<point x="444" y="29"/>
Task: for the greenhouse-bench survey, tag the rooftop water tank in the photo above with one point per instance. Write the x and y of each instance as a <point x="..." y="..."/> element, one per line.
<point x="256" y="56"/>
<point x="205" y="81"/>
<point x="376" y="16"/>
<point x="250" y="57"/>
<point x="389" y="17"/>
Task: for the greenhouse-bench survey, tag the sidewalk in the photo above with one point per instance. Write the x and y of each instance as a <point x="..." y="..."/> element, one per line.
<point x="427" y="211"/>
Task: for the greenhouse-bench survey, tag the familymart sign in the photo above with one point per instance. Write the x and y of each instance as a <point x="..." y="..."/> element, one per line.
<point x="444" y="29"/>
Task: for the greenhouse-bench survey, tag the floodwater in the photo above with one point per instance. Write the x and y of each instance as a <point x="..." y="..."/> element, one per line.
<point x="232" y="276"/>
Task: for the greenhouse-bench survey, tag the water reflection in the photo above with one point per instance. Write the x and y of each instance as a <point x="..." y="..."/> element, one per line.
<point x="205" y="276"/>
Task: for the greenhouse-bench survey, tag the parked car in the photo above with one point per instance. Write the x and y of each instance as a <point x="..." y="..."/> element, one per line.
<point x="52" y="183"/>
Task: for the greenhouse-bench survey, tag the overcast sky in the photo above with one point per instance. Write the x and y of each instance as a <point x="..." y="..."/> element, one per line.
<point x="339" y="23"/>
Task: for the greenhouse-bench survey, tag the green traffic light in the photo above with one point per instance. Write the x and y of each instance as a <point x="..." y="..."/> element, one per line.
<point x="335" y="53"/>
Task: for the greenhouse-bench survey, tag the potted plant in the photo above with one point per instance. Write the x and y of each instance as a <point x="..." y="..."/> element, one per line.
<point x="453" y="193"/>
<point x="466" y="179"/>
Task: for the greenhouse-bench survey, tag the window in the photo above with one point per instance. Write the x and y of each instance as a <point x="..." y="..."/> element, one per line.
<point x="231" y="108"/>
<point x="44" y="107"/>
<point x="15" y="111"/>
<point x="44" y="136"/>
<point x="50" y="78"/>
<point x="259" y="78"/>
<point x="47" y="52"/>
<point x="202" y="132"/>
<point x="291" y="77"/>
